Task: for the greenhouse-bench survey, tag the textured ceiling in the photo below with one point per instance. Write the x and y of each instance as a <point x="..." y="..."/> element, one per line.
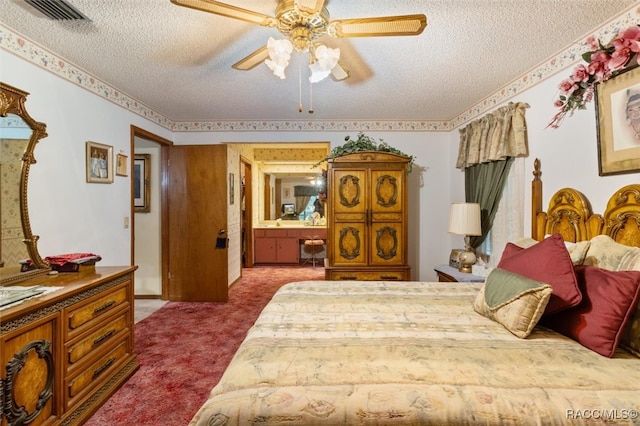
<point x="177" y="61"/>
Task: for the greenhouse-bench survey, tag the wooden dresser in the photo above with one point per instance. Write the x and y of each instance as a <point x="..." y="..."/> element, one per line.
<point x="66" y="352"/>
<point x="367" y="217"/>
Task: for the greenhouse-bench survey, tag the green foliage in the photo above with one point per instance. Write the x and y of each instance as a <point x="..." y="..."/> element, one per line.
<point x="364" y="143"/>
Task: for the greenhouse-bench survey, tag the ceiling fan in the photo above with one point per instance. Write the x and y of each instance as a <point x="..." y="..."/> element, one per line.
<point x="302" y="22"/>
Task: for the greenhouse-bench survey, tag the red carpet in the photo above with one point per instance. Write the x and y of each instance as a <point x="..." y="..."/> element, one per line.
<point x="183" y="349"/>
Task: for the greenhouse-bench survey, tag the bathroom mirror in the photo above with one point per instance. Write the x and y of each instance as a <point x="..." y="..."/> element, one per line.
<point x="19" y="135"/>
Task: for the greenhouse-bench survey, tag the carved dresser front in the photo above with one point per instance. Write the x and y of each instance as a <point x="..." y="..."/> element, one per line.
<point x="65" y="352"/>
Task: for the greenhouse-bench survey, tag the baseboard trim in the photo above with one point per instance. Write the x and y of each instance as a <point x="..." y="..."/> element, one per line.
<point x="147" y="296"/>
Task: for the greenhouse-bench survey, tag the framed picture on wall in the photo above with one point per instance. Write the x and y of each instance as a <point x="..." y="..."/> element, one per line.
<point x="618" y="122"/>
<point x="121" y="165"/>
<point x="99" y="163"/>
<point x="232" y="189"/>
<point x="141" y="183"/>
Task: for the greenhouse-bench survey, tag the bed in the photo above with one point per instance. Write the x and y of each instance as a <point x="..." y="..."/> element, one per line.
<point x="405" y="353"/>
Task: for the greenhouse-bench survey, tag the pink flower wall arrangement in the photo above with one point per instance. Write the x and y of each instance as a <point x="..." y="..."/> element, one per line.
<point x="603" y="62"/>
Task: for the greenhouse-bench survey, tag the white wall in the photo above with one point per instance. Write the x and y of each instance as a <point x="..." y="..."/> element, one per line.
<point x="429" y="192"/>
<point x="71" y="215"/>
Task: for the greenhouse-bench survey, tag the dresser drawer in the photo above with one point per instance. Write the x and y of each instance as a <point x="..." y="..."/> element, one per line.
<point x="98" y="338"/>
<point x="359" y="275"/>
<point x="83" y="314"/>
<point x="97" y="372"/>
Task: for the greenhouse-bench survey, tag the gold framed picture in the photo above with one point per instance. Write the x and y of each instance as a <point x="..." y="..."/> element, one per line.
<point x="99" y="163"/>
<point x="121" y="165"/>
<point x="141" y="183"/>
<point x="618" y="123"/>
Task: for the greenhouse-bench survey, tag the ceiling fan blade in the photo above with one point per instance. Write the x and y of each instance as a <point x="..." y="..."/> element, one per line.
<point x="251" y="61"/>
<point x="339" y="72"/>
<point x="227" y="10"/>
<point x="404" y="25"/>
<point x="310" y="7"/>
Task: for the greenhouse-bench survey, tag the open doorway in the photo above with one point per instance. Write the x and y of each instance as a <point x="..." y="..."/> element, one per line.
<point x="149" y="227"/>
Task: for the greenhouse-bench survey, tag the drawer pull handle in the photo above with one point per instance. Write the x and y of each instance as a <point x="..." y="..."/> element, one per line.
<point x="388" y="277"/>
<point x="104" y="337"/>
<point x="104" y="307"/>
<point x="347" y="277"/>
<point x="103" y="367"/>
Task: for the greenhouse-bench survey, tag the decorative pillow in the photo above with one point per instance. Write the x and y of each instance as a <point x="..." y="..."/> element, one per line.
<point x="577" y="251"/>
<point x="630" y="338"/>
<point x="547" y="262"/>
<point x="512" y="300"/>
<point x="604" y="252"/>
<point x="609" y="299"/>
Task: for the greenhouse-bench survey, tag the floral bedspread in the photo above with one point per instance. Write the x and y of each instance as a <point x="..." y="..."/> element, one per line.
<point x="340" y="352"/>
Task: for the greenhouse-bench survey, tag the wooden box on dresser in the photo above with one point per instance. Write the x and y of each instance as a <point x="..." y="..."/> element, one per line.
<point x="66" y="352"/>
<point x="367" y="217"/>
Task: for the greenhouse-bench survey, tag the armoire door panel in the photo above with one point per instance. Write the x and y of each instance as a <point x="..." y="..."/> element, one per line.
<point x="348" y="193"/>
<point x="350" y="244"/>
<point x="386" y="247"/>
<point x="387" y="190"/>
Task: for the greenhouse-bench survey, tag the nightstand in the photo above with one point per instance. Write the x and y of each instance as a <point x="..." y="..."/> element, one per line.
<point x="448" y="274"/>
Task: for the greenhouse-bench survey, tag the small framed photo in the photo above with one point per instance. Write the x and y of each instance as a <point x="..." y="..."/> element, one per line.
<point x="121" y="165"/>
<point x="141" y="183"/>
<point x="618" y="123"/>
<point x="232" y="189"/>
<point x="99" y="163"/>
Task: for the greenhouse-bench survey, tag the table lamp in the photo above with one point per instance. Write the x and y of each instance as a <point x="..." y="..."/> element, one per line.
<point x="465" y="220"/>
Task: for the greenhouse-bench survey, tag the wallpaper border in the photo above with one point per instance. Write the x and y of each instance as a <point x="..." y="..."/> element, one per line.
<point x="22" y="47"/>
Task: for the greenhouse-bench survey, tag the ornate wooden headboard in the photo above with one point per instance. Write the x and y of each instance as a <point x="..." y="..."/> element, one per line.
<point x="570" y="214"/>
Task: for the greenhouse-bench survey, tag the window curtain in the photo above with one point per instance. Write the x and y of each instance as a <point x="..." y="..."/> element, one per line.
<point x="508" y="222"/>
<point x="302" y="195"/>
<point x="487" y="148"/>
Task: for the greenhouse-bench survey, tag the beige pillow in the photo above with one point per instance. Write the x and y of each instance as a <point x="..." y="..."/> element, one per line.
<point x="514" y="301"/>
<point x="605" y="253"/>
<point x="577" y="251"/>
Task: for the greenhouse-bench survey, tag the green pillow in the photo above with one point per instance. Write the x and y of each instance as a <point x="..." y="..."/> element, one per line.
<point x="512" y="300"/>
<point x="504" y="286"/>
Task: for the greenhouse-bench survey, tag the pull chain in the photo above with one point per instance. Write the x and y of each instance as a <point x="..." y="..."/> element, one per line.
<point x="299" y="88"/>
<point x="310" y="98"/>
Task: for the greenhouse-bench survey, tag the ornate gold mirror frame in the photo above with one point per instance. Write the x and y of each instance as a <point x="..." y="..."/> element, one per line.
<point x="12" y="101"/>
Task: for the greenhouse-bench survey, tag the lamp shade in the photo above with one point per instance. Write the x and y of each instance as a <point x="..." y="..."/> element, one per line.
<point x="465" y="219"/>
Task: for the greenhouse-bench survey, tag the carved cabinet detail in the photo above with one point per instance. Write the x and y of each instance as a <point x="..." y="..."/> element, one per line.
<point x="65" y="352"/>
<point x="367" y="217"/>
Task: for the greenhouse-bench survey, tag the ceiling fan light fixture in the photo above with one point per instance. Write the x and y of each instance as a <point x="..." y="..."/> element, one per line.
<point x="323" y="60"/>
<point x="279" y="55"/>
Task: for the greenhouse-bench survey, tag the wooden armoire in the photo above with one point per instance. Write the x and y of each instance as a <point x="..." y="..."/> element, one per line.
<point x="367" y="217"/>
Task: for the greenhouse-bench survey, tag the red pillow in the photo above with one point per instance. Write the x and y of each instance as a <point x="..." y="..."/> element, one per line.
<point x="609" y="300"/>
<point x="548" y="262"/>
<point x="510" y="249"/>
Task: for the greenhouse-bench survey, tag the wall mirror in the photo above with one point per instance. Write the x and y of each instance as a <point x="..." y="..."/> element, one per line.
<point x="283" y="167"/>
<point x="19" y="134"/>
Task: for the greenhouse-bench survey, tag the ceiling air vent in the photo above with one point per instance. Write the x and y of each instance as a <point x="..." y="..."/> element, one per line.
<point x="58" y="10"/>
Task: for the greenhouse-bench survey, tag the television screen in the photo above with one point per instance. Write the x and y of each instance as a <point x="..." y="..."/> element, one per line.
<point x="288" y="209"/>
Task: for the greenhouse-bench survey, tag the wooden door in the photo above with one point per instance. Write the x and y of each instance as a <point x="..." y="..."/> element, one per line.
<point x="349" y="212"/>
<point x="387" y="219"/>
<point x="197" y="209"/>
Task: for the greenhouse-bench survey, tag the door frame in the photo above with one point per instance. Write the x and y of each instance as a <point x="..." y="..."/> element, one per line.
<point x="164" y="220"/>
<point x="248" y="212"/>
